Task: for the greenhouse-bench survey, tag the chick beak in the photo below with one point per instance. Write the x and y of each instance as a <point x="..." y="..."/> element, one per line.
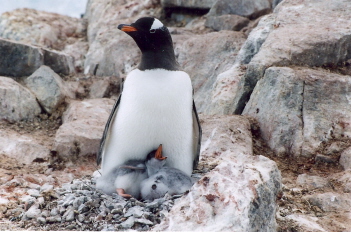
<point x="158" y="154"/>
<point x="126" y="28"/>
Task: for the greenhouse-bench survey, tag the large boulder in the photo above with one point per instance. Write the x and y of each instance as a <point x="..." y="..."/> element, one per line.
<point x="192" y="4"/>
<point x="106" y="56"/>
<point x="203" y="57"/>
<point x="293" y="108"/>
<point x="48" y="87"/>
<point x="82" y="128"/>
<point x="224" y="95"/>
<point x="16" y="102"/>
<point x="23" y="148"/>
<point x="18" y="59"/>
<point x="303" y="34"/>
<point x="248" y="8"/>
<point x="239" y="194"/>
<point x="47" y="30"/>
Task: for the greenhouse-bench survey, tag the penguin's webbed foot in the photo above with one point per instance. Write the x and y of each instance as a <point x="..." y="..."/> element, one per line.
<point x="122" y="193"/>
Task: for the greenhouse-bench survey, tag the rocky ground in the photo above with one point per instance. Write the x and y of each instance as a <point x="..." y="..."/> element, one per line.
<point x="271" y="82"/>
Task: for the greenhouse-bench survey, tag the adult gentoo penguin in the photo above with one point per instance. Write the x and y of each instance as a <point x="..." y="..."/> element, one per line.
<point x="155" y="107"/>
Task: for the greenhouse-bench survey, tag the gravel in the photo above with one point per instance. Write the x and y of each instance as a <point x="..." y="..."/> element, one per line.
<point x="79" y="206"/>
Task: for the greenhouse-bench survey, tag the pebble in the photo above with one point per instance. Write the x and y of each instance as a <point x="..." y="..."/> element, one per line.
<point x="41" y="220"/>
<point x="81" y="207"/>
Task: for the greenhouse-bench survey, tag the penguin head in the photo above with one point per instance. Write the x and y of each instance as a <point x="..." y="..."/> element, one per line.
<point x="155" y="161"/>
<point x="149" y="34"/>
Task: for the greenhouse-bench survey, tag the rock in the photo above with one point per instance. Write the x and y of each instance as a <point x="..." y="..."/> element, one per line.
<point x="302" y="118"/>
<point x="312" y="182"/>
<point x="306" y="222"/>
<point x="345" y="159"/>
<point x="203" y="62"/>
<point x="33" y="212"/>
<point x="226" y="22"/>
<point x="238" y="194"/>
<point x="69" y="214"/>
<point x="33" y="192"/>
<point x="42" y="28"/>
<point x="41" y="220"/>
<point x="48" y="88"/>
<point x="127" y="224"/>
<point x="135" y="211"/>
<point x="225" y="95"/>
<point x="144" y="221"/>
<point x="105" y="39"/>
<point x="23" y="148"/>
<point x="56" y="218"/>
<point x="17" y="102"/>
<point x="195" y="4"/>
<point x="249" y="8"/>
<point x="330" y="201"/>
<point x="19" y="59"/>
<point x="99" y="88"/>
<point x="83" y="126"/>
<point x="303" y="46"/>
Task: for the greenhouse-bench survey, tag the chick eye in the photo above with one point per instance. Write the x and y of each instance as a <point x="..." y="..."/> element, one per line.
<point x="152" y="30"/>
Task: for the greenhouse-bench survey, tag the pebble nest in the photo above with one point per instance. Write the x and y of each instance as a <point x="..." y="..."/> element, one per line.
<point x="78" y="205"/>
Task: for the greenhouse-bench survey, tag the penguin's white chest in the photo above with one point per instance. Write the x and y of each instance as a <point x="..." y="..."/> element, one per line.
<point x="155" y="108"/>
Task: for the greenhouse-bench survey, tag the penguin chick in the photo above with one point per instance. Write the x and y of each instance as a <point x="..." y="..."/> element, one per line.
<point x="163" y="179"/>
<point x="125" y="179"/>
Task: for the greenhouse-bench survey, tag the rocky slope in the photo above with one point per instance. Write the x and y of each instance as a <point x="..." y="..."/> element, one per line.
<point x="281" y="163"/>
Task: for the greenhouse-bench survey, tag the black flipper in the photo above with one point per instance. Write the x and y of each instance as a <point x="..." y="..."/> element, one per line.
<point x="197" y="134"/>
<point x="107" y="130"/>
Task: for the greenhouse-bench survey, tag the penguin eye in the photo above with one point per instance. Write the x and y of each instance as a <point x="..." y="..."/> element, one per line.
<point x="152" y="30"/>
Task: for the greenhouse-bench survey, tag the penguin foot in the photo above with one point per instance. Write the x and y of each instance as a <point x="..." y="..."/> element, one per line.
<point x="122" y="193"/>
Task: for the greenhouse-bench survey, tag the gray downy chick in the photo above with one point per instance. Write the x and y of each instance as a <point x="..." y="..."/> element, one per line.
<point x="163" y="179"/>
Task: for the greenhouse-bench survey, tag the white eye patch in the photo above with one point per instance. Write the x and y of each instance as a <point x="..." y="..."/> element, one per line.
<point x="156" y="25"/>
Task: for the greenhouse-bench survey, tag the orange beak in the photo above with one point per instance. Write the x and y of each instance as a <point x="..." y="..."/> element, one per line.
<point x="158" y="154"/>
<point x="126" y="28"/>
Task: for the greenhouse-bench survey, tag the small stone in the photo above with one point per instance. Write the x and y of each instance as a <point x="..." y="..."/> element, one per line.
<point x="54" y="219"/>
<point x="33" y="192"/>
<point x="83" y="208"/>
<point x="345" y="159"/>
<point x="71" y="227"/>
<point x="54" y="212"/>
<point x="41" y="220"/>
<point x="33" y="212"/>
<point x="78" y="201"/>
<point x="45" y="213"/>
<point x="311" y="182"/>
<point x="46" y="188"/>
<point x="117" y="211"/>
<point x="152" y="205"/>
<point x="144" y="221"/>
<point x="135" y="211"/>
<point x="41" y="201"/>
<point x="68" y="200"/>
<point x="80" y="217"/>
<point x="69" y="214"/>
<point x="128" y="223"/>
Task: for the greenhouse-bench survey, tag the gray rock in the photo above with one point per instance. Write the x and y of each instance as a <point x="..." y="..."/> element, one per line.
<point x="197" y="4"/>
<point x="68" y="200"/>
<point x="17" y="102"/>
<point x="129" y="223"/>
<point x="203" y="63"/>
<point x="33" y="192"/>
<point x="33" y="212"/>
<point x="254" y="181"/>
<point x="45" y="213"/>
<point x="302" y="118"/>
<point x="18" y="59"/>
<point x="345" y="159"/>
<point x="312" y="182"/>
<point x="48" y="87"/>
<point x="144" y="221"/>
<point x="54" y="212"/>
<point x="80" y="217"/>
<point x="83" y="208"/>
<point x="292" y="42"/>
<point x="248" y="8"/>
<point x="99" y="88"/>
<point x="56" y="218"/>
<point x="46" y="188"/>
<point x="135" y="211"/>
<point x="41" y="220"/>
<point x="330" y="201"/>
<point x="226" y="22"/>
<point x="69" y="214"/>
